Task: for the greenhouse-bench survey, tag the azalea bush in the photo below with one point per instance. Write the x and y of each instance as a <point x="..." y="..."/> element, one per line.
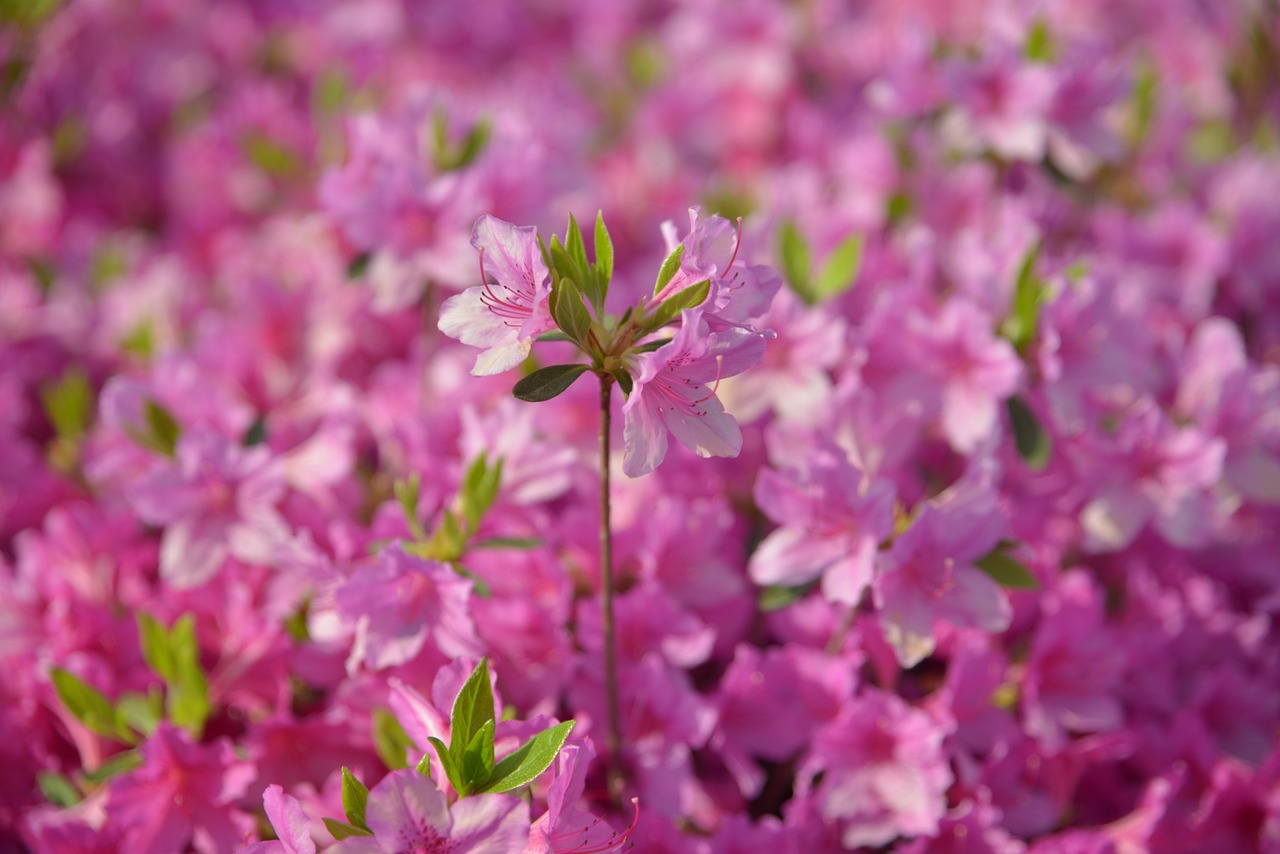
<point x="700" y="427"/>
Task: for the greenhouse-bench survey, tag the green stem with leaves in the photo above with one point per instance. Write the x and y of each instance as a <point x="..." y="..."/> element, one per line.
<point x="614" y="742"/>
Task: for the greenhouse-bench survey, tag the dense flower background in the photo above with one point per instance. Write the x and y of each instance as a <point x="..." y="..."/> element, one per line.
<point x="997" y="568"/>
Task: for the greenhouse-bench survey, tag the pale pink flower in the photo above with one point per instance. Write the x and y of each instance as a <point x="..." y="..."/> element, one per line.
<point x="503" y="316"/>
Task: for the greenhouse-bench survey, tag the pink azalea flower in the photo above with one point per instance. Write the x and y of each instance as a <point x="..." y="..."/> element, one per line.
<point x="406" y="812"/>
<point x="710" y="251"/>
<point x="883" y="772"/>
<point x="566" y="827"/>
<point x="833" y="519"/>
<point x="929" y="573"/>
<point x="671" y="393"/>
<point x="291" y="825"/>
<point x="977" y="370"/>
<point x="216" y="501"/>
<point x="503" y="316"/>
<point x="399" y="603"/>
<point x="183" y="793"/>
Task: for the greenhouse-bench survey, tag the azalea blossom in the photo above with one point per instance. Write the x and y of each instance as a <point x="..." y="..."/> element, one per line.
<point x="505" y="315"/>
<point x="671" y="392"/>
<point x="406" y="812"/>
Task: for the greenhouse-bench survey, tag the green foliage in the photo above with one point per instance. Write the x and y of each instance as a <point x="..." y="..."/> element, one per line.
<point x="669" y="268"/>
<point x="1005" y="569"/>
<point x="69" y="403"/>
<point x="355" y="798"/>
<point x="174" y="656"/>
<point x="546" y="383"/>
<point x="670" y="308"/>
<point x="159" y="431"/>
<point x="341" y="830"/>
<point x="529" y="760"/>
<point x="839" y="270"/>
<point x="390" y="740"/>
<point x="1019" y="328"/>
<point x="1032" y="440"/>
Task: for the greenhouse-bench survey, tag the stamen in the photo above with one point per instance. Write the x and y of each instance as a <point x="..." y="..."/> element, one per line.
<point x="736" y="243"/>
<point x="716" y="385"/>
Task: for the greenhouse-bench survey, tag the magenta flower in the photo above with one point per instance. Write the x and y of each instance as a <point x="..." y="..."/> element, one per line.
<point x="183" y="793"/>
<point x="291" y="825"/>
<point x="710" y="252"/>
<point x="504" y="316"/>
<point x="833" y="519"/>
<point x="217" y="500"/>
<point x="929" y="573"/>
<point x="883" y="772"/>
<point x="566" y="827"/>
<point x="406" y="812"/>
<point x="671" y="393"/>
<point x="399" y="603"/>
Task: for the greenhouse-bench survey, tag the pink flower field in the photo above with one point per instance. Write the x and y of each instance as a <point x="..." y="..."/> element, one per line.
<point x="679" y="426"/>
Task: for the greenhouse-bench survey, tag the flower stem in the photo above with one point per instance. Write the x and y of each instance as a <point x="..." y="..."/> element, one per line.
<point x="615" y="778"/>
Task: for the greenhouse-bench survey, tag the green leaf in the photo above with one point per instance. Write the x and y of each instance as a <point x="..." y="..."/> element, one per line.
<point x="188" y="699"/>
<point x="407" y="492"/>
<point x="424" y="765"/>
<point x="451" y="770"/>
<point x="546" y="383"/>
<point x="57" y="789"/>
<point x="1039" y="46"/>
<point x="359" y="265"/>
<point x="341" y="830"/>
<point x="479" y="489"/>
<point x="90" y="706"/>
<point x="1019" y="328"/>
<point x="119" y="764"/>
<point x="1144" y="104"/>
<point x="574" y="245"/>
<point x="390" y="740"/>
<point x="603" y="250"/>
<point x="451" y="158"/>
<point x="624" y="381"/>
<point x="256" y="434"/>
<point x="841" y="268"/>
<point x="1032" y="440"/>
<point x="1005" y="569"/>
<point x="154" y="639"/>
<point x="670" y="308"/>
<point x="796" y="259"/>
<point x="548" y="337"/>
<point x="507" y="543"/>
<point x="477" y="759"/>
<point x="28" y="13"/>
<point x="276" y="160"/>
<point x="68" y="403"/>
<point x="529" y="760"/>
<point x="670" y="267"/>
<point x="776" y="597"/>
<point x="140" y="712"/>
<point x="162" y="429"/>
<point x="569" y="311"/>
<point x="355" y="796"/>
<point x="471" y="709"/>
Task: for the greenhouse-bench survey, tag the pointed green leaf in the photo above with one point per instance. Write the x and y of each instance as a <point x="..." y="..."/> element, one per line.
<point x="670" y="308"/>
<point x="603" y="249"/>
<point x="507" y="543"/>
<point x="477" y="759"/>
<point x="840" y="271"/>
<point x="188" y="698"/>
<point x="390" y="740"/>
<point x="355" y="796"/>
<point x="546" y="383"/>
<point x="553" y="336"/>
<point x="529" y="760"/>
<point x="776" y="597"/>
<point x="479" y="489"/>
<point x="90" y="706"/>
<point x="624" y="381"/>
<point x="1031" y="439"/>
<point x="407" y="492"/>
<point x="140" y="712"/>
<point x="569" y="311"/>
<point x="1019" y="328"/>
<point x="57" y="789"/>
<point x="156" y="651"/>
<point x="1006" y="570"/>
<point x="424" y="765"/>
<point x="162" y="430"/>
<point x="116" y="765"/>
<point x="796" y="259"/>
<point x="451" y="770"/>
<point x="575" y="246"/>
<point x="68" y="403"/>
<point x="341" y="830"/>
<point x="669" y="268"/>
<point x="471" y="709"/>
<point x="1039" y="46"/>
<point x="256" y="434"/>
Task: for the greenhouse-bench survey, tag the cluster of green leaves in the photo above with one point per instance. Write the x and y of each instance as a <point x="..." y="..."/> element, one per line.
<point x="467" y="760"/>
<point x="173" y="654"/>
<point x="578" y="291"/>
<point x="455" y="534"/>
<point x="449" y="156"/>
<point x="839" y="270"/>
